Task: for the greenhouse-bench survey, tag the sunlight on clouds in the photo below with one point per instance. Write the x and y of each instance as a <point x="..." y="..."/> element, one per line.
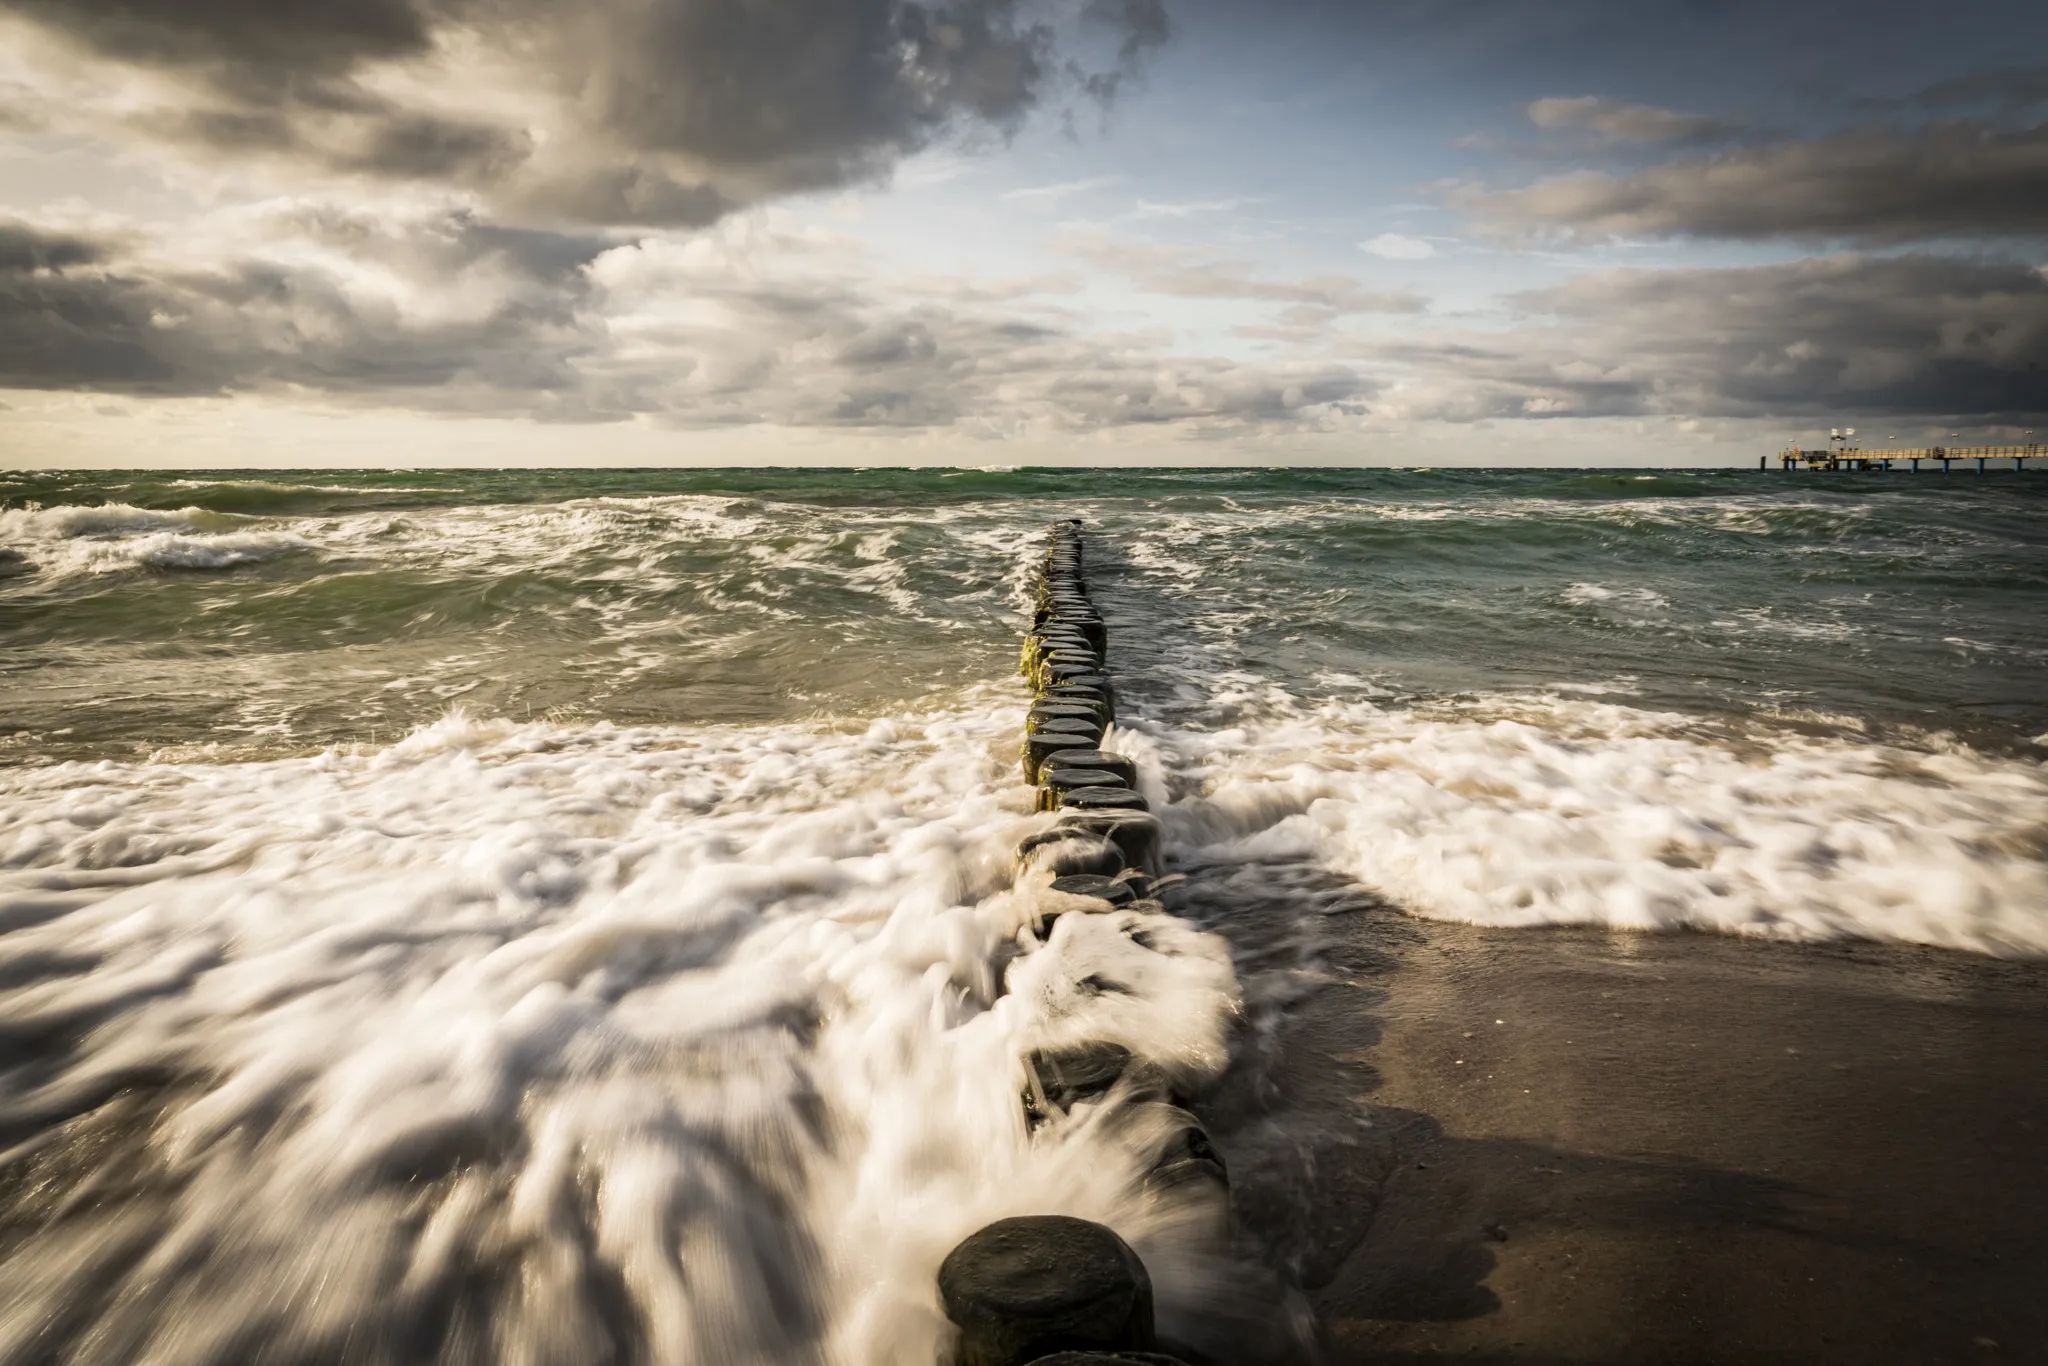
<point x="875" y="221"/>
<point x="1395" y="247"/>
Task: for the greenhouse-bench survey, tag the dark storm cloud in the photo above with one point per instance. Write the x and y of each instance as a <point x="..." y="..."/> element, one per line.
<point x="650" y="110"/>
<point x="240" y="40"/>
<point x="26" y="250"/>
<point x="82" y="314"/>
<point x="1959" y="179"/>
<point x="374" y="138"/>
<point x="1907" y="336"/>
<point x="62" y="327"/>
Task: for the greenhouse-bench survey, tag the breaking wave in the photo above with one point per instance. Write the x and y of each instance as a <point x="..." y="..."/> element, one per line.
<point x="1541" y="811"/>
<point x="546" y="1044"/>
<point x="111" y="537"/>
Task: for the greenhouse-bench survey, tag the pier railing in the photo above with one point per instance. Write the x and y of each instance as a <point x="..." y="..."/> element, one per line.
<point x="1859" y="458"/>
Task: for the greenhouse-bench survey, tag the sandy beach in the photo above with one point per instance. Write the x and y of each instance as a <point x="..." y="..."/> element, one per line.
<point x="1597" y="1147"/>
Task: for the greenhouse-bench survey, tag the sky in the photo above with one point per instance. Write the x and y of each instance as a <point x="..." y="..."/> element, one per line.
<point x="239" y="233"/>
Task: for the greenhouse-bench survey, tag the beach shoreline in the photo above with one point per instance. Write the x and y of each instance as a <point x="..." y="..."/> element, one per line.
<point x="1576" y="1145"/>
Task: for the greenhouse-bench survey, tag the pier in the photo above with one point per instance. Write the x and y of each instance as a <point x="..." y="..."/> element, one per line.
<point x="1875" y="460"/>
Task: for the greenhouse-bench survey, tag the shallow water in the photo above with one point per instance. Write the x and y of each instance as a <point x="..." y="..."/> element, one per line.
<point x="567" y="917"/>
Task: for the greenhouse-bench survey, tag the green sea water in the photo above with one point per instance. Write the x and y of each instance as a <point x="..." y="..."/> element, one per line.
<point x="474" y="917"/>
<point x="276" y="613"/>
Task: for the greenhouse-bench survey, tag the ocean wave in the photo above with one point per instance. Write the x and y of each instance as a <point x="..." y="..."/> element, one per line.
<point x="275" y="486"/>
<point x="1586" y="594"/>
<point x="1545" y="811"/>
<point x="167" y="550"/>
<point x="34" y="524"/>
<point x="107" y="538"/>
<point x="675" y="1044"/>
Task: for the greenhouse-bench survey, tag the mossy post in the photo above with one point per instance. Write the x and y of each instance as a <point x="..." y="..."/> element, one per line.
<point x="1046" y="1287"/>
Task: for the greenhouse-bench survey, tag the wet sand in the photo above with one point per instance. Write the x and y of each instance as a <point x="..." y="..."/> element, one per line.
<point x="1572" y="1146"/>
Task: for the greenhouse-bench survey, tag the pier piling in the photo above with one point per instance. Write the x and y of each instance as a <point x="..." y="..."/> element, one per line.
<point x="1837" y="458"/>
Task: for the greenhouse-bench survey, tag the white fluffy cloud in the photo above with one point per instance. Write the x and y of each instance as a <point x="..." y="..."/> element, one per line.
<point x="1392" y="246"/>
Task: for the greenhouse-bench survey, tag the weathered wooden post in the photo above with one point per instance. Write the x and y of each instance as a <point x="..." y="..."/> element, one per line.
<point x="1053" y="1289"/>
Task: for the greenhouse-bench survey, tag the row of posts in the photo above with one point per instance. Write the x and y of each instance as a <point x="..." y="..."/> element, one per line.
<point x="1052" y="1290"/>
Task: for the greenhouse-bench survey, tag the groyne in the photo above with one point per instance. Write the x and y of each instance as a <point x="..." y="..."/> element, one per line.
<point x="1051" y="1289"/>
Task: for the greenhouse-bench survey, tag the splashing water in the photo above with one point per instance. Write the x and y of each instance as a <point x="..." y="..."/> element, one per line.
<point x="518" y="1043"/>
<point x="682" y="1021"/>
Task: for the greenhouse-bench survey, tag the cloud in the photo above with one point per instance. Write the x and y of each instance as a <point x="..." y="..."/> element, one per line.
<point x="63" y="327"/>
<point x="748" y="324"/>
<point x="1194" y="273"/>
<point x="736" y="327"/>
<point x="1137" y="26"/>
<point x="1908" y="336"/>
<point x="607" y="111"/>
<point x="1394" y="247"/>
<point x="1960" y="179"/>
<point x="1619" y="121"/>
<point x="2003" y="88"/>
<point x="1053" y="194"/>
<point x="740" y="325"/>
<point x="29" y="251"/>
<point x="341" y="304"/>
<point x="1190" y="208"/>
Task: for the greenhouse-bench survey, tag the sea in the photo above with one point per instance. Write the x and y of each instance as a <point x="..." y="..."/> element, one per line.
<point x="570" y="916"/>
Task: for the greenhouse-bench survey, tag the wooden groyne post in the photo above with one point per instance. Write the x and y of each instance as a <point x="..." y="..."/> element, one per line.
<point x="1049" y="1288"/>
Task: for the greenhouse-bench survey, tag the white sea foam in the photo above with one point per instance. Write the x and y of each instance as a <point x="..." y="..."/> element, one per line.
<point x="1766" y="622"/>
<point x="167" y="550"/>
<point x="108" y="538"/>
<point x="1586" y="594"/>
<point x="33" y="524"/>
<point x="1545" y="811"/>
<point x="509" y="1042"/>
<point x="1626" y="683"/>
<point x="275" y="486"/>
